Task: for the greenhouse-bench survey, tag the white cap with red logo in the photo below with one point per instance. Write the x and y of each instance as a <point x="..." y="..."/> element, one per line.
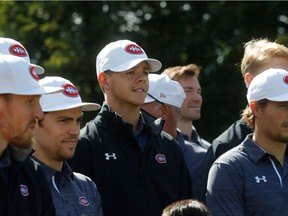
<point x="165" y="90"/>
<point x="272" y="84"/>
<point x="67" y="99"/>
<point x="123" y="55"/>
<point x="18" y="77"/>
<point x="9" y="46"/>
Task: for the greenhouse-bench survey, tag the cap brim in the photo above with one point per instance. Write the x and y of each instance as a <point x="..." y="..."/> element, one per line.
<point x="85" y="107"/>
<point x="38" y="69"/>
<point x="154" y="65"/>
<point x="148" y="99"/>
<point x="279" y="98"/>
<point x="40" y="91"/>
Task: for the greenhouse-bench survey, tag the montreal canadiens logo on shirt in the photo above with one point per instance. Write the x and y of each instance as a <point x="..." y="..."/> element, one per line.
<point x="70" y="90"/>
<point x="134" y="49"/>
<point x="83" y="201"/>
<point x="24" y="190"/>
<point x="18" y="50"/>
<point x="33" y="74"/>
<point x="161" y="158"/>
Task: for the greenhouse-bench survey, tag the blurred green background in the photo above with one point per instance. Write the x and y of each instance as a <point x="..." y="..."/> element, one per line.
<point x="65" y="36"/>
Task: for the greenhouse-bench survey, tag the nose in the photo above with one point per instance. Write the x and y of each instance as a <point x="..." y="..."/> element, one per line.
<point x="37" y="112"/>
<point x="74" y="129"/>
<point x="142" y="78"/>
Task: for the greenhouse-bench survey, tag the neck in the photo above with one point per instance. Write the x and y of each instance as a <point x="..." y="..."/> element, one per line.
<point x="170" y="128"/>
<point x="185" y="127"/>
<point x="275" y="148"/>
<point x="56" y="165"/>
<point x="129" y="114"/>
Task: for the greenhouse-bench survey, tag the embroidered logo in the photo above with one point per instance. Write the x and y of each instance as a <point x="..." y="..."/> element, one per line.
<point x="24" y="190"/>
<point x="83" y="201"/>
<point x="258" y="179"/>
<point x="134" y="49"/>
<point x="285" y="79"/>
<point x="70" y="90"/>
<point x="18" y="50"/>
<point x="161" y="158"/>
<point x="112" y="156"/>
<point x="162" y="95"/>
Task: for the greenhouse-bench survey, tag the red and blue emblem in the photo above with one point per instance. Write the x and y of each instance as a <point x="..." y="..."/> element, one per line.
<point x="161" y="158"/>
<point x="18" y="50"/>
<point x="134" y="49"/>
<point x="83" y="201"/>
<point x="70" y="90"/>
<point x="24" y="190"/>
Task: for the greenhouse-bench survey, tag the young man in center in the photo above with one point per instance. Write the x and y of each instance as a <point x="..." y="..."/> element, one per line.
<point x="138" y="169"/>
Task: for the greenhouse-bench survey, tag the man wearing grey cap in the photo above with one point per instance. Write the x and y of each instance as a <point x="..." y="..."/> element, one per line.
<point x="137" y="168"/>
<point x="24" y="189"/>
<point x="55" y="142"/>
<point x="252" y="178"/>
<point x="164" y="100"/>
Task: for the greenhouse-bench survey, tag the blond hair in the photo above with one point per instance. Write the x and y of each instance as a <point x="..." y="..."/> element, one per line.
<point x="259" y="52"/>
<point x="175" y="73"/>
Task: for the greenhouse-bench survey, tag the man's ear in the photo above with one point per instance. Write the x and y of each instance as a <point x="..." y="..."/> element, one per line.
<point x="254" y="107"/>
<point x="248" y="78"/>
<point x="103" y="80"/>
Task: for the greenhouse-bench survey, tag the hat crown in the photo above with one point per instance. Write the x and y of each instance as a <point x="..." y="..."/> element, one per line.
<point x="9" y="46"/>
<point x="67" y="99"/>
<point x="122" y="55"/>
<point x="165" y="90"/>
<point x="271" y="84"/>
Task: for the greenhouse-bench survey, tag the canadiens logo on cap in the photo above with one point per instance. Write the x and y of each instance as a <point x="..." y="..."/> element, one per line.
<point x="18" y="50"/>
<point x="83" y="201"/>
<point x="285" y="79"/>
<point x="134" y="49"/>
<point x="161" y="158"/>
<point x="70" y="90"/>
<point x="24" y="190"/>
<point x="32" y="72"/>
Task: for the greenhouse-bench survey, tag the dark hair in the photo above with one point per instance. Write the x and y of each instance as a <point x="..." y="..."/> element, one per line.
<point x="188" y="207"/>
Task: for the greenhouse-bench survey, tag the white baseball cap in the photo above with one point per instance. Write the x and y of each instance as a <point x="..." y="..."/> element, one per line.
<point x="123" y="55"/>
<point x="67" y="99"/>
<point x="9" y="46"/>
<point x="272" y="84"/>
<point x="18" y="77"/>
<point x="165" y="90"/>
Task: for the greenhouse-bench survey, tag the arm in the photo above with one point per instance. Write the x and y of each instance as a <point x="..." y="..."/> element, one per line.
<point x="225" y="190"/>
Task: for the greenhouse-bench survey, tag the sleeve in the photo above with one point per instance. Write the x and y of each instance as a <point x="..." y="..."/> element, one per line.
<point x="224" y="195"/>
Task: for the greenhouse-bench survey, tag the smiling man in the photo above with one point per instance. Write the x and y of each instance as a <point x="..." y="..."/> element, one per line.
<point x="138" y="169"/>
<point x="56" y="138"/>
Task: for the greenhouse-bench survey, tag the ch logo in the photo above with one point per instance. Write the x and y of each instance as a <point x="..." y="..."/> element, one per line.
<point x="258" y="179"/>
<point x="112" y="156"/>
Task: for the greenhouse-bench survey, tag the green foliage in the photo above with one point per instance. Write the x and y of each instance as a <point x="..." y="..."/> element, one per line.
<point x="65" y="37"/>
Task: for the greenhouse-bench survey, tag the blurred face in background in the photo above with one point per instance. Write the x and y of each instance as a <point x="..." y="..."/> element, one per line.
<point x="191" y="107"/>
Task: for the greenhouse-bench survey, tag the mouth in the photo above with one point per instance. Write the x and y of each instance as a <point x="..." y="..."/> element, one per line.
<point x="140" y="90"/>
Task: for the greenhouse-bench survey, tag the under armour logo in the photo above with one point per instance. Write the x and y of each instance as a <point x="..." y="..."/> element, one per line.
<point x="113" y="155"/>
<point x="162" y="95"/>
<point x="258" y="179"/>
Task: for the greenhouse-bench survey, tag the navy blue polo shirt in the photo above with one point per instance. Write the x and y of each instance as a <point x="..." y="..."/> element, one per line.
<point x="73" y="193"/>
<point x="248" y="181"/>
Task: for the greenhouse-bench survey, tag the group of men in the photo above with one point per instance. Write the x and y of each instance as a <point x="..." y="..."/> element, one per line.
<point x="141" y="153"/>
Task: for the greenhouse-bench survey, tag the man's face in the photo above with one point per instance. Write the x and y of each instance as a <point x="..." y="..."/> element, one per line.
<point x="191" y="107"/>
<point x="129" y="88"/>
<point x="271" y="122"/>
<point x="18" y="119"/>
<point x="57" y="135"/>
